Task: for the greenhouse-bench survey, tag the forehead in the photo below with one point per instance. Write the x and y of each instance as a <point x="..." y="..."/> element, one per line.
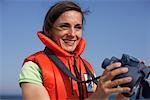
<point x="70" y="17"/>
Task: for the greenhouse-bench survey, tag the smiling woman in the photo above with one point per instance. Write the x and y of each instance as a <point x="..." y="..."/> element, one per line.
<point x="62" y="35"/>
<point x="59" y="72"/>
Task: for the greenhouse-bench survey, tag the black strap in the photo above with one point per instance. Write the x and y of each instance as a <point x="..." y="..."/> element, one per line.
<point x="94" y="79"/>
<point x="78" y="75"/>
<point x="64" y="69"/>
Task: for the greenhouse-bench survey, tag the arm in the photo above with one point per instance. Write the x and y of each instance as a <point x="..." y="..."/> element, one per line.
<point x="34" y="92"/>
<point x="30" y="81"/>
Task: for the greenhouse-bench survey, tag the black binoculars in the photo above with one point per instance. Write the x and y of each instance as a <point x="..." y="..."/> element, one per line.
<point x="136" y="69"/>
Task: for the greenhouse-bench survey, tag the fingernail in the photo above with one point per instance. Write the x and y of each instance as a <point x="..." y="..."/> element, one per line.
<point x="129" y="78"/>
<point x="118" y="63"/>
<point x="125" y="69"/>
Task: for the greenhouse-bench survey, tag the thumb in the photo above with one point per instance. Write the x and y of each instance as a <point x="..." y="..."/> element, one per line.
<point x="121" y="97"/>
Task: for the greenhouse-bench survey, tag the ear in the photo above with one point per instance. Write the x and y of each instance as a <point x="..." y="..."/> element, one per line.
<point x="48" y="33"/>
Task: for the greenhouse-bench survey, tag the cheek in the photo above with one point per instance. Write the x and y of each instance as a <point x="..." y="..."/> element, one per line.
<point x="79" y="35"/>
<point x="56" y="38"/>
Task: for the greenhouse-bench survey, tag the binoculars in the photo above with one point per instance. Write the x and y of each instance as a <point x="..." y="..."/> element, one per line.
<point x="136" y="69"/>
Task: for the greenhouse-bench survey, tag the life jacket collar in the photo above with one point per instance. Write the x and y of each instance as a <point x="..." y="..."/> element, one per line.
<point x="57" y="49"/>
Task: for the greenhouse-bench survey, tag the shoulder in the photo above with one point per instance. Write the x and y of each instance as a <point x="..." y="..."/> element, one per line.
<point x="31" y="65"/>
<point x="38" y="58"/>
<point x="35" y="55"/>
<point x="31" y="73"/>
<point x="88" y="64"/>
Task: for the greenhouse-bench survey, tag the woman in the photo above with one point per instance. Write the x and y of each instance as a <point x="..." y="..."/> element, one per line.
<point x="42" y="79"/>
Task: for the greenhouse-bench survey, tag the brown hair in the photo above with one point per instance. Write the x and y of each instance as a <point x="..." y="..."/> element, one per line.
<point x="57" y="9"/>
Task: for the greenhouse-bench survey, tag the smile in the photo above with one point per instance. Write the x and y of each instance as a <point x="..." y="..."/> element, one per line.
<point x="69" y="42"/>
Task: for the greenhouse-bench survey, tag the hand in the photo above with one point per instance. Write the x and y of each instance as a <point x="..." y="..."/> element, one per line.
<point x="106" y="86"/>
<point x="121" y="97"/>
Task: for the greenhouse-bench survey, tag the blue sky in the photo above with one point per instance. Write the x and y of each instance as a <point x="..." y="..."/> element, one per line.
<point x="112" y="28"/>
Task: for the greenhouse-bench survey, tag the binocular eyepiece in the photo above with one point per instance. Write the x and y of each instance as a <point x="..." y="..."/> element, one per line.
<point x="136" y="69"/>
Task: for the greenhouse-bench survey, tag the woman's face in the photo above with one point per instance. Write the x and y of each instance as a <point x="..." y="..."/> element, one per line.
<point x="67" y="30"/>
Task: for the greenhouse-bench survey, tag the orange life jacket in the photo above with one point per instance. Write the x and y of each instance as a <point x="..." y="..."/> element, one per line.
<point x="58" y="85"/>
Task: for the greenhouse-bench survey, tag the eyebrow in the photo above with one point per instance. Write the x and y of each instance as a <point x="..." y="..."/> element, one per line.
<point x="64" y="24"/>
<point x="68" y="24"/>
<point x="78" y="24"/>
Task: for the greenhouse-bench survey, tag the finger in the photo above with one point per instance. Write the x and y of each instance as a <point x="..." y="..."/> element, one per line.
<point x="119" y="90"/>
<point x="119" y="71"/>
<point x="113" y="66"/>
<point x="120" y="81"/>
<point x="106" y="77"/>
<point x="111" y="74"/>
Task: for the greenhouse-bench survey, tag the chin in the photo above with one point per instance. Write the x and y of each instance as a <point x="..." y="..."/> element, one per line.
<point x="69" y="49"/>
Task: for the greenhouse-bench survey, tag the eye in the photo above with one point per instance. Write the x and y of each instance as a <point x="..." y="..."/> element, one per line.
<point x="64" y="26"/>
<point x="78" y="27"/>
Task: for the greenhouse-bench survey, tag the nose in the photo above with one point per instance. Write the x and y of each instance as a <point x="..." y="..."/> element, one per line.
<point x="72" y="31"/>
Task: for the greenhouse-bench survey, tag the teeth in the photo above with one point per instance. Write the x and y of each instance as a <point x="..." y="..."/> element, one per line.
<point x="69" y="42"/>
